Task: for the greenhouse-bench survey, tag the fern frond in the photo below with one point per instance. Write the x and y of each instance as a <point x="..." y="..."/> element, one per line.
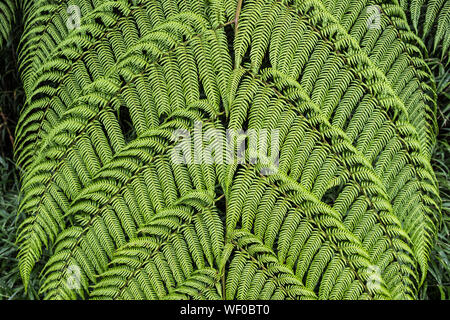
<point x="174" y="256"/>
<point x="339" y="202"/>
<point x="378" y="95"/>
<point x="115" y="217"/>
<point x="7" y="19"/>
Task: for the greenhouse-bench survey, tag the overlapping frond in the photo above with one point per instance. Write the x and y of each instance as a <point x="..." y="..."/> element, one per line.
<point x="175" y="255"/>
<point x="311" y="164"/>
<point x="345" y="208"/>
<point x="73" y="142"/>
<point x="135" y="199"/>
<point x="372" y="117"/>
<point x="382" y="32"/>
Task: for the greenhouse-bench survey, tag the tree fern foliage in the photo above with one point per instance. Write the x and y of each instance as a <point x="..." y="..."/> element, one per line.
<point x="432" y="19"/>
<point x="353" y="192"/>
<point x="7" y="18"/>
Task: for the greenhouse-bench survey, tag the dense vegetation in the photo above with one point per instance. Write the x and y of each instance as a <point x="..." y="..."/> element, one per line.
<point x="356" y="205"/>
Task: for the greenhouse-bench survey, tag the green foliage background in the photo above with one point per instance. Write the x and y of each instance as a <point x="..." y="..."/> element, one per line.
<point x="437" y="285"/>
